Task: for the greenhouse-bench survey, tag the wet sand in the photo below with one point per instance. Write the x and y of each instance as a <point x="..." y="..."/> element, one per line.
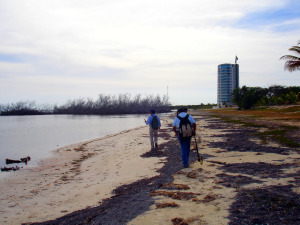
<point x="117" y="179"/>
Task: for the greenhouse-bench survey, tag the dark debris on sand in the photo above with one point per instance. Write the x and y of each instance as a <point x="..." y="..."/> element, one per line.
<point x="270" y="205"/>
<point x="238" y="139"/>
<point x="267" y="205"/>
<point x="260" y="169"/>
<point x="235" y="181"/>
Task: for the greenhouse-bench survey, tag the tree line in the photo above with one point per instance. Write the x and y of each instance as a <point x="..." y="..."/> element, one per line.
<point x="103" y="105"/>
<point x="249" y="97"/>
<point x="194" y="107"/>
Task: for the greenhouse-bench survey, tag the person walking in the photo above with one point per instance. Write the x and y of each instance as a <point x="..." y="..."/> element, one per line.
<point x="184" y="127"/>
<point x="154" y="125"/>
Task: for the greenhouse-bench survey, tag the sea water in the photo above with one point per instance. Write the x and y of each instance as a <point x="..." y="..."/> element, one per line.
<point x="37" y="136"/>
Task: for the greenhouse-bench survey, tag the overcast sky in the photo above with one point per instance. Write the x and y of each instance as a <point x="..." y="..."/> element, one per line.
<point x="55" y="50"/>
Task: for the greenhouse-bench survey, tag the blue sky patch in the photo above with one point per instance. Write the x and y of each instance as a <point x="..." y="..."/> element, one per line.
<point x="272" y="18"/>
<point x="10" y="58"/>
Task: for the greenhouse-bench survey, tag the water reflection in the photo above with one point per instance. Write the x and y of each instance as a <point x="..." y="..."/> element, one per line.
<point x="36" y="136"/>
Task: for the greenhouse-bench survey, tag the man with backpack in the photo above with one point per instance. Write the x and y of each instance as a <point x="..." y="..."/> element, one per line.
<point x="154" y="125"/>
<point x="184" y="127"/>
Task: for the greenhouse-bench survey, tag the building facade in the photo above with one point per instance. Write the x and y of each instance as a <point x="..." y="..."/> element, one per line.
<point x="228" y="80"/>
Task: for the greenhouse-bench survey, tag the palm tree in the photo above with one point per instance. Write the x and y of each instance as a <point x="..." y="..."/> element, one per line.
<point x="293" y="62"/>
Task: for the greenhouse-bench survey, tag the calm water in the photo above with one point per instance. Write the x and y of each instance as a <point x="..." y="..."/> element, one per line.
<point x="37" y="136"/>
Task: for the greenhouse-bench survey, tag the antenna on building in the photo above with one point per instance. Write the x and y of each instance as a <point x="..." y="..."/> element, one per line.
<point x="236" y="59"/>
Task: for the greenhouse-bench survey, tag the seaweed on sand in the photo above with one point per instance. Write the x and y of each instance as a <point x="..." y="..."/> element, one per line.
<point x="270" y="205"/>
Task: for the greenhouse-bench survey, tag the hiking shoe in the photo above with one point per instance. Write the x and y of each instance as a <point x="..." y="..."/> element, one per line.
<point x="186" y="166"/>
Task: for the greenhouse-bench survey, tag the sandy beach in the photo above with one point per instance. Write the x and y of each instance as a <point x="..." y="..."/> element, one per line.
<point x="117" y="179"/>
<point x="76" y="177"/>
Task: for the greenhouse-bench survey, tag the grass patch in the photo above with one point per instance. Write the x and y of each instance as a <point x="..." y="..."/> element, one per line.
<point x="248" y="124"/>
<point x="279" y="135"/>
<point x="285" y="112"/>
<point x="289" y="127"/>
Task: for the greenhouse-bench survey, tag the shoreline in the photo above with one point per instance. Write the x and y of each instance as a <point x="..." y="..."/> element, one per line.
<point x="94" y="167"/>
<point x="48" y="133"/>
<point x="52" y="153"/>
<point x="213" y="193"/>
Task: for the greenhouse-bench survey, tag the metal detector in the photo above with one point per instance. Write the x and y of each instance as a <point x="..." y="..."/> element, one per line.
<point x="200" y="159"/>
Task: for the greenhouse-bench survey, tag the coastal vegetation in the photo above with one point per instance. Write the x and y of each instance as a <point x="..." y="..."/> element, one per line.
<point x="244" y="98"/>
<point x="194" y="107"/>
<point x="250" y="97"/>
<point x="104" y="105"/>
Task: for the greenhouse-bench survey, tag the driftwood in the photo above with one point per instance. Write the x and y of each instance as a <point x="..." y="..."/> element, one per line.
<point x="22" y="160"/>
<point x="10" y="168"/>
<point x="11" y="161"/>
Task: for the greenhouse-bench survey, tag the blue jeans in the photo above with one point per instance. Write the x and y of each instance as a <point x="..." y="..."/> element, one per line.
<point x="185" y="144"/>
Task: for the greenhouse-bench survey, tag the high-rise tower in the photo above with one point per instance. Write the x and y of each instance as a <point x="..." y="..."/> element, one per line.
<point x="228" y="79"/>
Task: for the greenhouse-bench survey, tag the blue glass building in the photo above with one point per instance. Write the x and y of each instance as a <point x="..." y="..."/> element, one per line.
<point x="228" y="79"/>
